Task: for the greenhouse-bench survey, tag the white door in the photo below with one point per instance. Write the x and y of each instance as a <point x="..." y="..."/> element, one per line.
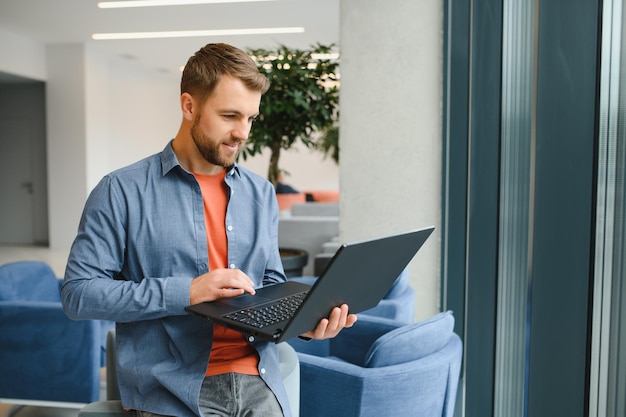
<point x="16" y="183"/>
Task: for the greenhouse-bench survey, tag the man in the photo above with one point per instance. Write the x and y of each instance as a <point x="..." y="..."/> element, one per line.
<point x="185" y="226"/>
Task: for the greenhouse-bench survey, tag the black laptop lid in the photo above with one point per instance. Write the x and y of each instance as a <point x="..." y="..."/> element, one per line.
<point x="360" y="275"/>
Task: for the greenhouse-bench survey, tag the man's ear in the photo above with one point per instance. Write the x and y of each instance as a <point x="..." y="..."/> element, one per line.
<point x="188" y="106"/>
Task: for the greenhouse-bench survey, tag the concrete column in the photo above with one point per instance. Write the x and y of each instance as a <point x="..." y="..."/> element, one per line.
<point x="390" y="133"/>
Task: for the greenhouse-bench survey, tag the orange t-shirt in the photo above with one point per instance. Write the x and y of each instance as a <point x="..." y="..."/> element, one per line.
<point x="231" y="352"/>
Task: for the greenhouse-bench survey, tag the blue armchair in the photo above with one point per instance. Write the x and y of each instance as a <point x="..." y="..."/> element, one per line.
<point x="46" y="357"/>
<point x="384" y="368"/>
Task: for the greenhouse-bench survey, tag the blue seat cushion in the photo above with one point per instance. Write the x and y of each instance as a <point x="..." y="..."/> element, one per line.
<point x="411" y="342"/>
<point x="28" y="281"/>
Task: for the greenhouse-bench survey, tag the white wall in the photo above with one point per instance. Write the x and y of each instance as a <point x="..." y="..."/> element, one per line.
<point x="97" y="114"/>
<point x="306" y="169"/>
<point x="390" y="132"/>
<point x="67" y="142"/>
<point x="22" y="56"/>
<point x="144" y="112"/>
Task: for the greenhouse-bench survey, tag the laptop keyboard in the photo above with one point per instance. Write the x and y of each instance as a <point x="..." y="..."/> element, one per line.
<point x="269" y="314"/>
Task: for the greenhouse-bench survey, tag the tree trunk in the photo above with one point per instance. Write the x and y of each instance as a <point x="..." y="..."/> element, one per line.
<point x="273" y="170"/>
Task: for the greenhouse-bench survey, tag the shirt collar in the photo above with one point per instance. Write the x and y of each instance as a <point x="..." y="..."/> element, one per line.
<point x="168" y="158"/>
<point x="169" y="161"/>
<point x="234" y="170"/>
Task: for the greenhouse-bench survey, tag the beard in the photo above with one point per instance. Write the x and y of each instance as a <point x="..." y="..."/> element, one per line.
<point x="211" y="150"/>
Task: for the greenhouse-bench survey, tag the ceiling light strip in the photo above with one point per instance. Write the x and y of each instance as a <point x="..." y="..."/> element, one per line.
<point x="195" y="33"/>
<point x="156" y="3"/>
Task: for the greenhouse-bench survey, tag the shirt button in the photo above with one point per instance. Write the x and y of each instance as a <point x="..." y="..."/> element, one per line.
<point x="232" y="266"/>
<point x="230" y="228"/>
<point x="251" y="339"/>
<point x="263" y="371"/>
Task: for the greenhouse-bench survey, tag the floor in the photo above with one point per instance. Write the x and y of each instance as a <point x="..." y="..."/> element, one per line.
<point x="56" y="258"/>
<point x="29" y="411"/>
<point x="4" y="409"/>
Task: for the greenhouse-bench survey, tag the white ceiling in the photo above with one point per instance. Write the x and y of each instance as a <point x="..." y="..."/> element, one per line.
<point x="74" y="21"/>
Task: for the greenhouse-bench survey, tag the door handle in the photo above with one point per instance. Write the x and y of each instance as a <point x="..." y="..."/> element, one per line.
<point x="28" y="186"/>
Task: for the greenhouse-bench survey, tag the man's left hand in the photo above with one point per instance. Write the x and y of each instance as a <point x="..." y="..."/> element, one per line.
<point x="338" y="319"/>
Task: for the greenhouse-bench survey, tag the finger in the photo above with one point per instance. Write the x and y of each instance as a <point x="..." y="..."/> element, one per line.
<point x="320" y="330"/>
<point x="244" y="287"/>
<point x="335" y="320"/>
<point x="351" y="319"/>
<point x="245" y="282"/>
<point x="236" y="279"/>
<point x="343" y="318"/>
<point x="230" y="292"/>
<point x="338" y="319"/>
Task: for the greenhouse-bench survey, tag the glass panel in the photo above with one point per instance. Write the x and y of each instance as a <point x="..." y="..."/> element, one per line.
<point x="516" y="201"/>
<point x="608" y="367"/>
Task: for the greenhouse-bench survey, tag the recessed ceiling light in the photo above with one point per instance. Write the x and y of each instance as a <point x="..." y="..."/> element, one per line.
<point x="153" y="3"/>
<point x="191" y="33"/>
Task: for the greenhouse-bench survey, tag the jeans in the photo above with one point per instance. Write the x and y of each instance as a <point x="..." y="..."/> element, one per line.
<point x="238" y="395"/>
<point x="234" y="395"/>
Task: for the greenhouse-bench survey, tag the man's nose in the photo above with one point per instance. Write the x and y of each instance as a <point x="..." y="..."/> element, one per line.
<point x="242" y="131"/>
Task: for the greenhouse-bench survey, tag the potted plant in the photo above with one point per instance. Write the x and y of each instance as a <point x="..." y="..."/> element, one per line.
<point x="300" y="105"/>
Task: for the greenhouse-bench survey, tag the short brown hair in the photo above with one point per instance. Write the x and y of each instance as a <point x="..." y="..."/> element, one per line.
<point x="205" y="68"/>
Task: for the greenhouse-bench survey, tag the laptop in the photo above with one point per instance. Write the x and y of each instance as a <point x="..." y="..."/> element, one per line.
<point x="359" y="274"/>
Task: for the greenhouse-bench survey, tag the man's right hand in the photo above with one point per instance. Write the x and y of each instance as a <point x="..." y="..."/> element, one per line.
<point x="220" y="283"/>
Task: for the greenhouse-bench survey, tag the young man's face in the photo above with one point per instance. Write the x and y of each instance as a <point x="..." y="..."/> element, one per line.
<point x="222" y="126"/>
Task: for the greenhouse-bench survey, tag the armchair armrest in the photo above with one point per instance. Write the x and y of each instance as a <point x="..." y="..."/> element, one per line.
<point x="42" y="347"/>
<point x="330" y="384"/>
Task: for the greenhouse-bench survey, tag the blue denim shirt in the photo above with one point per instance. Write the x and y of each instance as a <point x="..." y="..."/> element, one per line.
<point x="140" y="242"/>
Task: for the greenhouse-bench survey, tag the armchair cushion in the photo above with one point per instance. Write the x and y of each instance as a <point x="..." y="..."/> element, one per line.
<point x="353" y="345"/>
<point x="409" y="343"/>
